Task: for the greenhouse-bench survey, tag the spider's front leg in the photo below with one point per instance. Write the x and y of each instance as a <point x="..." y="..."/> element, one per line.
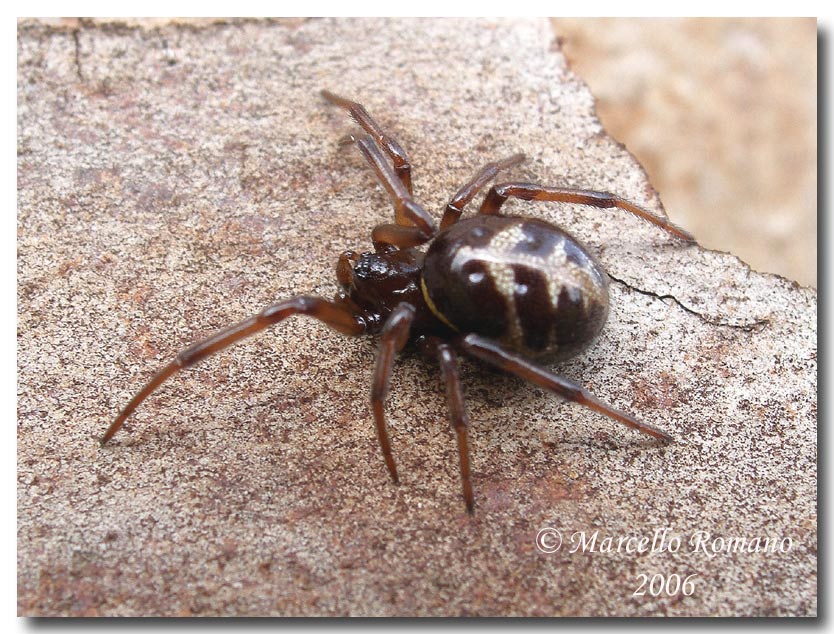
<point x="394" y="336"/>
<point x="513" y="363"/>
<point x="413" y="226"/>
<point x="338" y="315"/>
<point x="402" y="166"/>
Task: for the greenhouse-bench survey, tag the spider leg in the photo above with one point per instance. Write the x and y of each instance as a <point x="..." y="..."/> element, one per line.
<point x="493" y="353"/>
<point x="413" y="221"/>
<point x="498" y="194"/>
<point x="450" y="375"/>
<point x="401" y="165"/>
<point x="466" y="193"/>
<point x="397" y="235"/>
<point x="336" y="315"/>
<point x="394" y="337"/>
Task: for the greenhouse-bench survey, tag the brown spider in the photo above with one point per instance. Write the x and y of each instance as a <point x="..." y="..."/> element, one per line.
<point x="499" y="288"/>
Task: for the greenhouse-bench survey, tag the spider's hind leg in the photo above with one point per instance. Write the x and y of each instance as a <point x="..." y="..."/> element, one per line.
<point x="499" y="193"/>
<point x="493" y="353"/>
<point x="450" y="375"/>
<point x="466" y="193"/>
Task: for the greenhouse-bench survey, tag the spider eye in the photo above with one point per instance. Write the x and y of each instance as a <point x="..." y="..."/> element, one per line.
<point x="371" y="266"/>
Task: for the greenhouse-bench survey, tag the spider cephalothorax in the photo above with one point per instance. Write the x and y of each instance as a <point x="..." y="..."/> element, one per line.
<point x="504" y="289"/>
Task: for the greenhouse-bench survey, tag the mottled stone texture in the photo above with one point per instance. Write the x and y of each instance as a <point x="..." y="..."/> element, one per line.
<point x="722" y="114"/>
<point x="176" y="177"/>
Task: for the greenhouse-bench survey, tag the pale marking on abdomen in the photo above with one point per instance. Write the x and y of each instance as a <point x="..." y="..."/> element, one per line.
<point x="560" y="273"/>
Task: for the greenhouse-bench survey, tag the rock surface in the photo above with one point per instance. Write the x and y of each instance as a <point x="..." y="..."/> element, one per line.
<point x="174" y="178"/>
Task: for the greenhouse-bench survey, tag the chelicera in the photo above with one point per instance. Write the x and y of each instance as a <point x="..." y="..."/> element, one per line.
<point x="514" y="292"/>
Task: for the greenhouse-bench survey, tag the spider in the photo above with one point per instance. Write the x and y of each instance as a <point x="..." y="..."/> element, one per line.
<point x="505" y="289"/>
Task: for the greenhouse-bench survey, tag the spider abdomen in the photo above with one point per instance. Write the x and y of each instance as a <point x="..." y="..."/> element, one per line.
<point x="523" y="282"/>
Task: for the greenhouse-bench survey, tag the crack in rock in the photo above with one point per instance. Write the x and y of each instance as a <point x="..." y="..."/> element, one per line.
<point x="76" y="37"/>
<point x="748" y="327"/>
